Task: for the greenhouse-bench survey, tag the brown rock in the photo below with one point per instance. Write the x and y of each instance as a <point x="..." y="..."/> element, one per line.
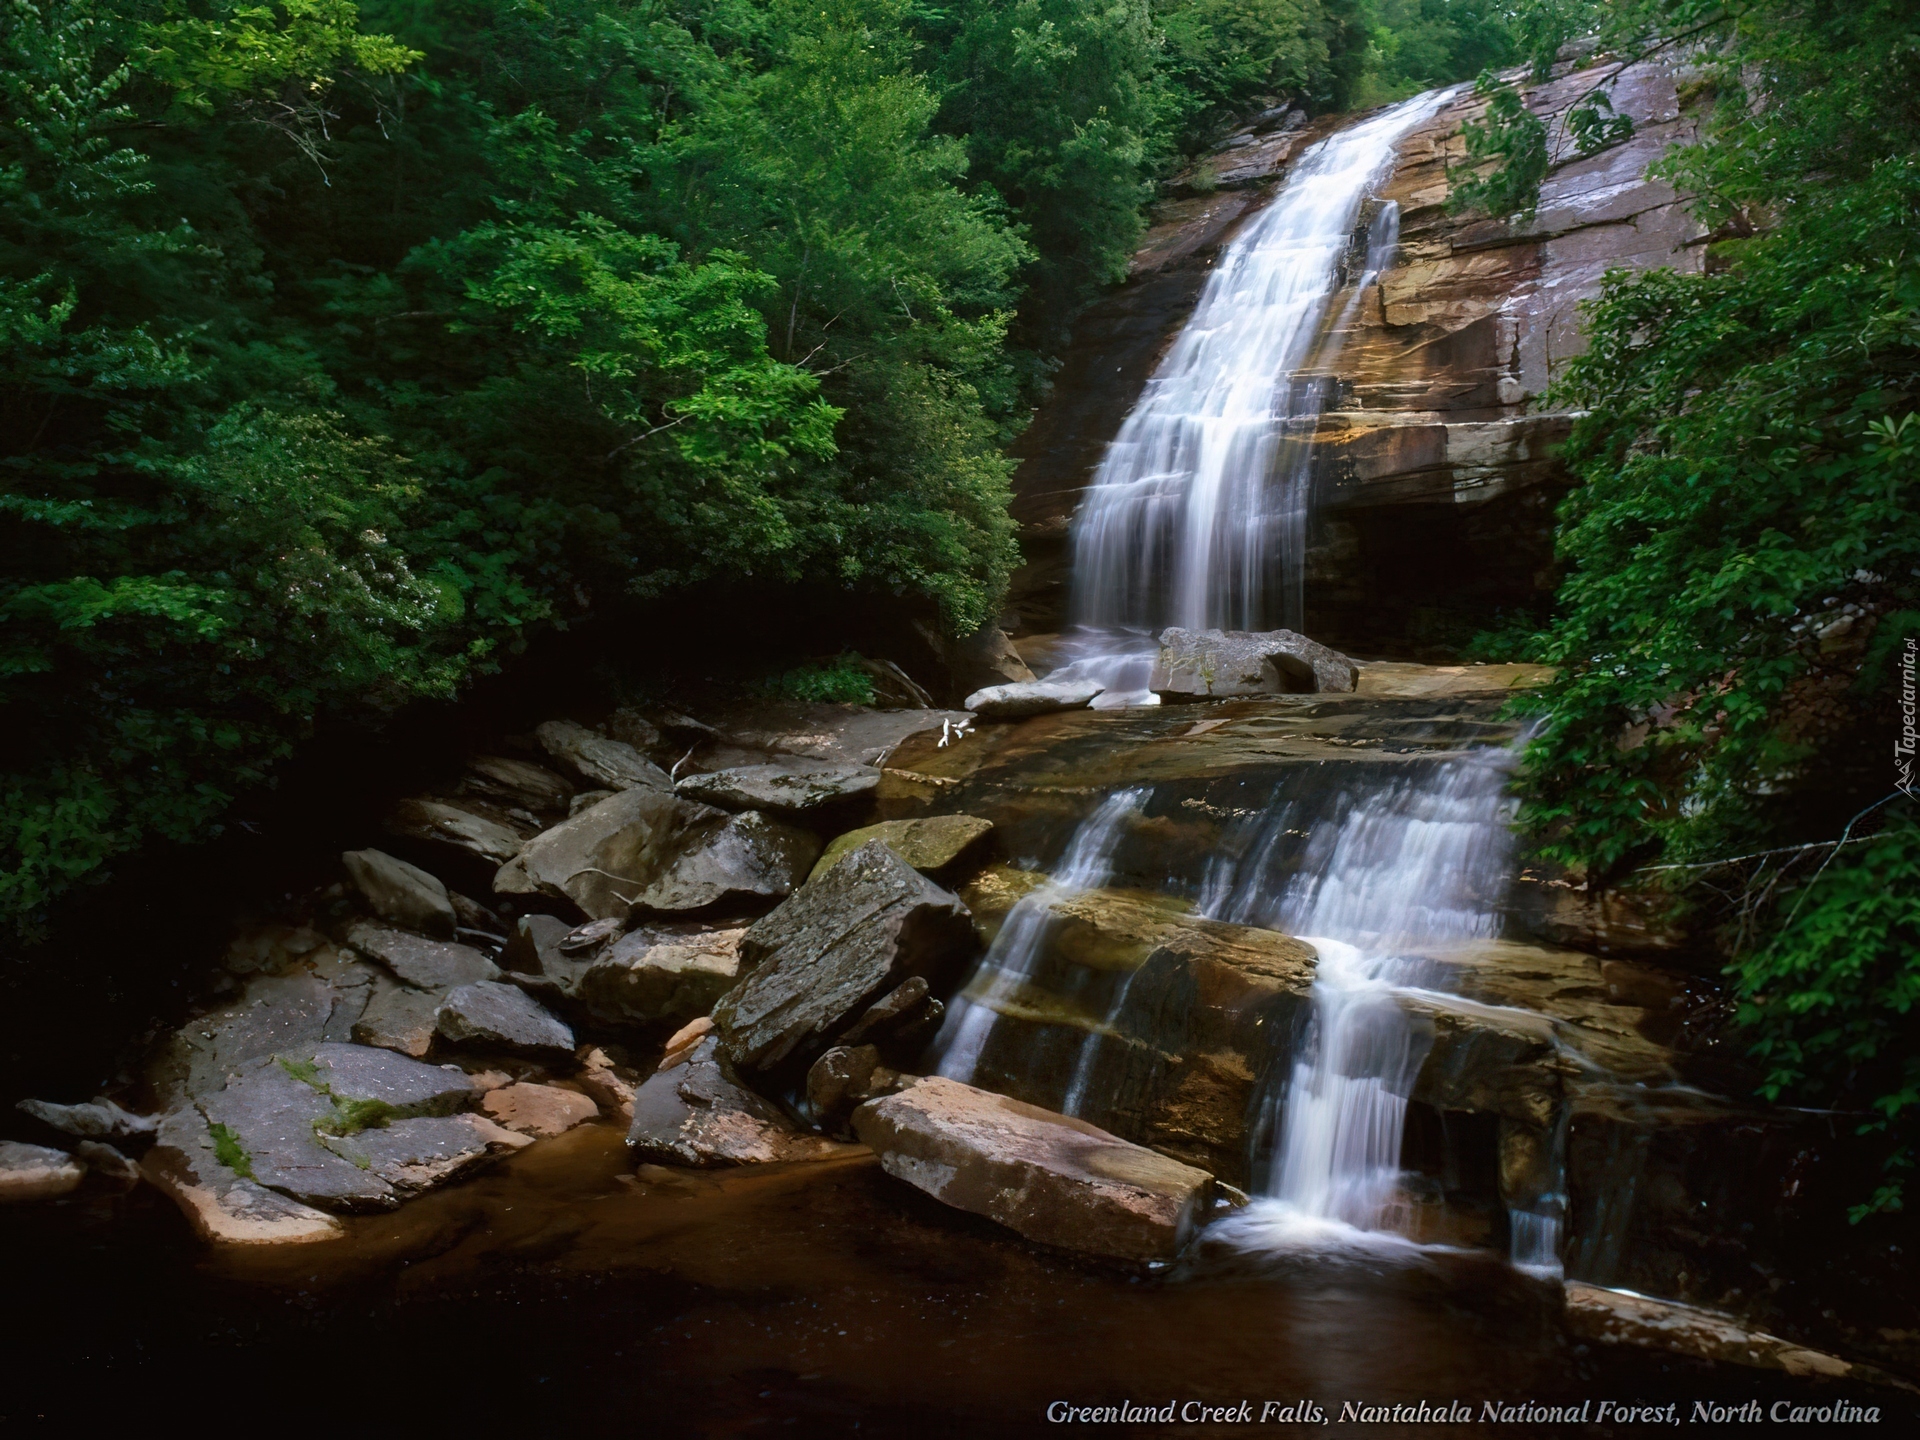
<point x="1052" y="1178"/>
<point x="541" y="1111"/>
<point x="35" y="1172"/>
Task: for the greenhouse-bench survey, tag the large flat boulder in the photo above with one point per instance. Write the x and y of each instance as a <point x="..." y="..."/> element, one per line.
<point x="402" y="893"/>
<point x="1229" y="664"/>
<point x="399" y="1018"/>
<point x="606" y="855"/>
<point x="1050" y="1177"/>
<point x="830" y="951"/>
<point x="747" y="861"/>
<point x="100" y="1119"/>
<point x="222" y="1205"/>
<point x="930" y="844"/>
<point x="694" y="1113"/>
<point x="1024" y="698"/>
<point x="36" y="1172"/>
<point x="599" y="762"/>
<point x="465" y="828"/>
<point x="420" y="962"/>
<point x="504" y="1017"/>
<point x="791" y="785"/>
<point x="519" y="783"/>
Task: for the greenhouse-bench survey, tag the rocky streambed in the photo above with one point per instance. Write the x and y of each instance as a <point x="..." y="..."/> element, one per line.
<point x="597" y="981"/>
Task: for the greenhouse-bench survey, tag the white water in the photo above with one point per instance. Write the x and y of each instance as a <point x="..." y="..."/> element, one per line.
<point x="1009" y="961"/>
<point x="1197" y="514"/>
<point x="1421" y="860"/>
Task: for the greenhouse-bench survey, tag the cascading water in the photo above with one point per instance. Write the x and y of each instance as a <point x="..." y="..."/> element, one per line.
<point x="1197" y="514"/>
<point x="1009" y="961"/>
<point x="1421" y="860"/>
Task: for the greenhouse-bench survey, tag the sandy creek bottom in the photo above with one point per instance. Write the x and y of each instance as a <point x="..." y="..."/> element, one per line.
<point x="824" y="1299"/>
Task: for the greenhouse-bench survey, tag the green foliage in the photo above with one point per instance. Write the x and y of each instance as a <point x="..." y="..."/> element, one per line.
<point x="229" y="1152"/>
<point x="1743" y="553"/>
<point x="1225" y="56"/>
<point x="1512" y="137"/>
<point x="845" y="681"/>
<point x="1421" y="44"/>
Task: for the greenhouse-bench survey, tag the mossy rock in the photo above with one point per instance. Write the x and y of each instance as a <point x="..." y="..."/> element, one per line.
<point x="929" y="844"/>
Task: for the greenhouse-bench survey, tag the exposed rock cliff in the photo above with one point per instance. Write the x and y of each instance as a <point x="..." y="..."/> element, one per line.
<point x="1434" y="480"/>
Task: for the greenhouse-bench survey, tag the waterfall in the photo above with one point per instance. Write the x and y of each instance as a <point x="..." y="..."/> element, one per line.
<point x="1009" y="961"/>
<point x="1197" y="514"/>
<point x="1422" y="859"/>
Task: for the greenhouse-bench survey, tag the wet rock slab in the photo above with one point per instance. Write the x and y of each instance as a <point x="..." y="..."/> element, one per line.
<point x="833" y="949"/>
<point x="422" y="963"/>
<point x="501" y="1016"/>
<point x="646" y="977"/>
<point x="99" y="1119"/>
<point x="599" y="761"/>
<point x="694" y="1113"/>
<point x="788" y="785"/>
<point x="1052" y="1178"/>
<point x="36" y="1172"/>
<point x="745" y="862"/>
<point x="1032" y="697"/>
<point x="222" y="1205"/>
<point x="402" y="893"/>
<point x="1229" y="664"/>
<point x="929" y="845"/>
<point x="1620" y="1317"/>
<point x="603" y="857"/>
<point x="541" y="1111"/>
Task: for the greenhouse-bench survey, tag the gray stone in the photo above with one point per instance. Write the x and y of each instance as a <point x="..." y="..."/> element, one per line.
<point x="929" y="844"/>
<point x="518" y="782"/>
<point x="489" y="1013"/>
<point x="276" y="1014"/>
<point x="647" y="977"/>
<point x="222" y="1206"/>
<point x="440" y="822"/>
<point x="833" y="949"/>
<point x="1220" y="664"/>
<point x="600" y="761"/>
<point x="587" y="799"/>
<point x="906" y="1013"/>
<point x="1052" y="1178"/>
<point x="360" y="1073"/>
<point x="840" y="1081"/>
<point x="402" y="893"/>
<point x="269" y="1116"/>
<point x="100" y="1120"/>
<point x="695" y="1114"/>
<point x="35" y="1172"/>
<point x="583" y="939"/>
<point x="399" y="1018"/>
<point x="536" y="961"/>
<point x="630" y="727"/>
<point x="423" y="963"/>
<point x="414" y="1155"/>
<point x="1032" y="697"/>
<point x="791" y="785"/>
<point x="744" y="861"/>
<point x="602" y="858"/>
<point x="108" y="1163"/>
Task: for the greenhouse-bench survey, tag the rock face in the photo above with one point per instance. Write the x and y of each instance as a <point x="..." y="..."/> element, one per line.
<point x="492" y="1014"/>
<point x="1227" y="664"/>
<point x="831" y="950"/>
<point x="602" y="858"/>
<point x="402" y="893"/>
<point x="1052" y="1178"/>
<point x="600" y="762"/>
<point x="929" y="845"/>
<point x="695" y="1114"/>
<point x="789" y="785"/>
<point x="36" y="1172"/>
<point x="1032" y="697"/>
<point x="1434" y="481"/>
<point x="746" y="861"/>
<point x="1167" y="1025"/>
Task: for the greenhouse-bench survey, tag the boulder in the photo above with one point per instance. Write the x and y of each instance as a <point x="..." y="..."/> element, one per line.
<point x="265" y="1126"/>
<point x="605" y="856"/>
<point x="399" y="1018"/>
<point x="789" y="785"/>
<point x="537" y="958"/>
<point x="695" y="1114"/>
<point x="489" y="1013"/>
<point x="986" y="657"/>
<point x="901" y="1020"/>
<point x="108" y="1163"/>
<point x="402" y="893"/>
<point x="598" y="761"/>
<point x="541" y="1111"/>
<point x="469" y="830"/>
<point x="608" y="1082"/>
<point x="423" y="963"/>
<point x="36" y="1172"/>
<point x="415" y="1155"/>
<point x="1052" y="1178"/>
<point x="99" y="1120"/>
<point x="1224" y="664"/>
<point x="746" y="861"/>
<point x="833" y="949"/>
<point x="1621" y="1317"/>
<point x="647" y="977"/>
<point x="1032" y="697"/>
<point x="840" y="1081"/>
<point x="274" y="1015"/>
<point x="222" y="1205"/>
<point x="683" y="1041"/>
<point x="587" y="799"/>
<point x="630" y="727"/>
<point x="929" y="845"/>
<point x="359" y="1074"/>
<point x="518" y="782"/>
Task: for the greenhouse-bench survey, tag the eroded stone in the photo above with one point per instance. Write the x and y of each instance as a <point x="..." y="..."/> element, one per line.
<point x="788" y="785"/>
<point x="929" y="844"/>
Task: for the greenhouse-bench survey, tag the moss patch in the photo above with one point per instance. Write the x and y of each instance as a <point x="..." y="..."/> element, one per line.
<point x="228" y="1150"/>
